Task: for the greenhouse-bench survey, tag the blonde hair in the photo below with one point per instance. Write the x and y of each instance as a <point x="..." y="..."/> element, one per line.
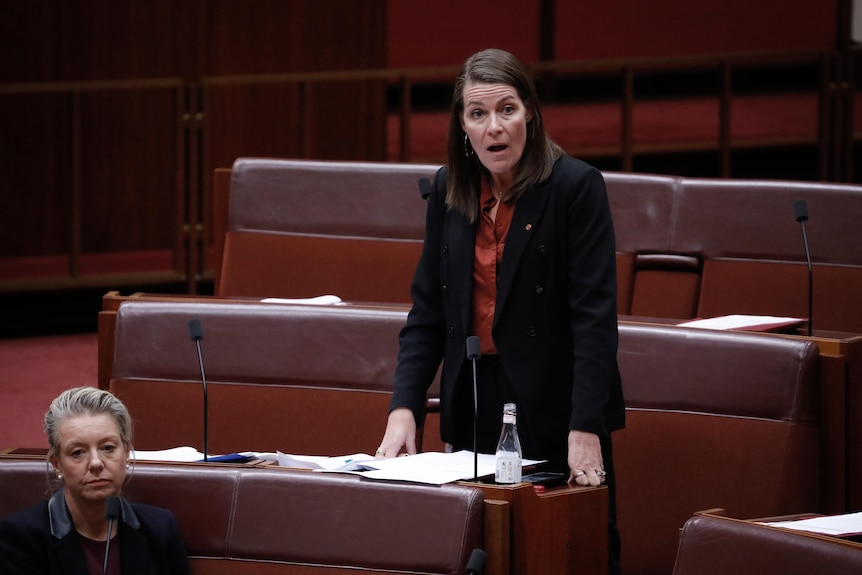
<point x="80" y="401"/>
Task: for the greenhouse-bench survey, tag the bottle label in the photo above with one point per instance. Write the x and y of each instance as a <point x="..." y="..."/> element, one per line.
<point x="508" y="418"/>
<point x="508" y="469"/>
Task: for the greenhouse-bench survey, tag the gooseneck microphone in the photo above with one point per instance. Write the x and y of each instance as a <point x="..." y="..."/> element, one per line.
<point x="476" y="564"/>
<point x="473" y="353"/>
<point x="800" y="210"/>
<point x="112" y="513"/>
<point x="196" y="333"/>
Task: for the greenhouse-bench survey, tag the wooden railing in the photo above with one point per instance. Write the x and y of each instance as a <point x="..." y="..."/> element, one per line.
<point x="194" y="135"/>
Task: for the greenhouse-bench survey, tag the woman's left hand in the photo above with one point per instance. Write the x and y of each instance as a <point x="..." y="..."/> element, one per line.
<point x="585" y="459"/>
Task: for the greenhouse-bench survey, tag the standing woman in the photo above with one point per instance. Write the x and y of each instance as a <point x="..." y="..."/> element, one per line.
<point x="90" y="443"/>
<point x="519" y="250"/>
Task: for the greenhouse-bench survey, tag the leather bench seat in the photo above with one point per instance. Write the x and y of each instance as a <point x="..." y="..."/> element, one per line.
<point x="713" y="545"/>
<point x="301" y="228"/>
<point x="310" y="380"/>
<point x="253" y="520"/>
<point x="714" y="419"/>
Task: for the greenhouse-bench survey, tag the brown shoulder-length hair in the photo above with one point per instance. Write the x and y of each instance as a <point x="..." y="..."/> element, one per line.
<point x="493" y="66"/>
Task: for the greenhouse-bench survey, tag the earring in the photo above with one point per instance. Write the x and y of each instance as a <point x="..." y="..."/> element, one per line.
<point x="468" y="149"/>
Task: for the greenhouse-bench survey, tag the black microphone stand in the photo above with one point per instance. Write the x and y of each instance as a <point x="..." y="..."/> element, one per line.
<point x="196" y="333"/>
<point x="800" y="210"/>
<point x="112" y="513"/>
<point x="473" y="353"/>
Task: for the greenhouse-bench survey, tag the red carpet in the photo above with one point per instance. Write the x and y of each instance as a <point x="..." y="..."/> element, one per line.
<point x="32" y="372"/>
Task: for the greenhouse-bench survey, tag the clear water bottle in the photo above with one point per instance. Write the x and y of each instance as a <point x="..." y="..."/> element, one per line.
<point x="508" y="456"/>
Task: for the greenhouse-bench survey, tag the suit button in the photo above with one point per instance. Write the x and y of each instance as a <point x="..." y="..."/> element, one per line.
<point x="539" y="289"/>
<point x="542" y="250"/>
<point x="445" y="290"/>
<point x="451" y="331"/>
<point x="445" y="251"/>
<point x="531" y="331"/>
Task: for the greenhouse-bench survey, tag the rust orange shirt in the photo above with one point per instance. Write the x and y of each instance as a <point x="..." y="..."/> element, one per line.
<point x="490" y="241"/>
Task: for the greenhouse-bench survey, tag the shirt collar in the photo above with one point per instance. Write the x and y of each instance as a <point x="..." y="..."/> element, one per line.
<point x="60" y="519"/>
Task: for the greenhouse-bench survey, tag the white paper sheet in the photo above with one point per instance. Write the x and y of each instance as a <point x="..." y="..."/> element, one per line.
<point x="835" y="525"/>
<point x="739" y="321"/>
<point x="346" y="462"/>
<point x="183" y="454"/>
<point x="319" y="300"/>
<point x="432" y="467"/>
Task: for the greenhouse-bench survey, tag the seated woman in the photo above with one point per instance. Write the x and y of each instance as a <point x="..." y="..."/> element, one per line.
<point x="90" y="446"/>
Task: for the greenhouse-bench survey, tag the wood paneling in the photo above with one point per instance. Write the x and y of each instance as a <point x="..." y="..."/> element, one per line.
<point x="93" y="162"/>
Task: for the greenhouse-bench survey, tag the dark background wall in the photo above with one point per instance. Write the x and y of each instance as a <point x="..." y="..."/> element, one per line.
<point x="113" y="115"/>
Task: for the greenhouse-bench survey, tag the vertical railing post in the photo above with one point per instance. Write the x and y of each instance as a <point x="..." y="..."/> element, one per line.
<point x="724" y="116"/>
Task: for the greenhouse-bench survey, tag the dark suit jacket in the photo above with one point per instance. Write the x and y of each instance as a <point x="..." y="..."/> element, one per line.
<point x="43" y="540"/>
<point x="555" y="327"/>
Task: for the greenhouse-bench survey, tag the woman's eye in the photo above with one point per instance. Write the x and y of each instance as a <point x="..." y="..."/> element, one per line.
<point x="508" y="109"/>
<point x="476" y="114"/>
<point x="109" y="448"/>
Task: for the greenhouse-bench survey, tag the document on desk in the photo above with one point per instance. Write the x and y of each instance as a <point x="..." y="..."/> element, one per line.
<point x="834" y="525"/>
<point x="432" y="467"/>
<point x="187" y="454"/>
<point x="353" y="462"/>
<point x="746" y="322"/>
<point x="319" y="300"/>
<point x="184" y="454"/>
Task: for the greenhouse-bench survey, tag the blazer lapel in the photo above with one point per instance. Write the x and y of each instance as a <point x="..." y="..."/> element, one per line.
<point x="525" y="219"/>
<point x="461" y="243"/>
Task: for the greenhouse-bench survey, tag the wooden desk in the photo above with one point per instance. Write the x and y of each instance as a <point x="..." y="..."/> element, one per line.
<point x="562" y="531"/>
<point x="840" y="425"/>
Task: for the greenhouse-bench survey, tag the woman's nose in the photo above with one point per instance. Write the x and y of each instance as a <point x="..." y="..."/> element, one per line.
<point x="96" y="460"/>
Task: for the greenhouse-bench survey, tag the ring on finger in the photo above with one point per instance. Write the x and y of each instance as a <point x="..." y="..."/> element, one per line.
<point x="580" y="473"/>
<point x="601" y="472"/>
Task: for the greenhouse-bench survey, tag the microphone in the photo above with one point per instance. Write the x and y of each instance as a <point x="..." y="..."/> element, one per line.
<point x="473" y="353"/>
<point x="424" y="188"/>
<point x="196" y="333"/>
<point x="800" y="210"/>
<point x="476" y="564"/>
<point x="112" y="513"/>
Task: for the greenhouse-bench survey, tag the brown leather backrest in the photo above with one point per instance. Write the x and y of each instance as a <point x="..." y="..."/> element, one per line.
<point x="714" y="419"/>
<point x="643" y="207"/>
<point x="292" y="520"/>
<point x="712" y="545"/>
<point x="312" y="380"/>
<point x="366" y="220"/>
<point x="753" y="250"/>
<point x="746" y="248"/>
<point x="754" y="219"/>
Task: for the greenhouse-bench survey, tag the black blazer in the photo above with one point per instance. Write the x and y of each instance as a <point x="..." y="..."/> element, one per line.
<point x="555" y="327"/>
<point x="42" y="540"/>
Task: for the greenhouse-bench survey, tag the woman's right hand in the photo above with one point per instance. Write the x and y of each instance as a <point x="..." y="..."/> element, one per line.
<point x="400" y="432"/>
